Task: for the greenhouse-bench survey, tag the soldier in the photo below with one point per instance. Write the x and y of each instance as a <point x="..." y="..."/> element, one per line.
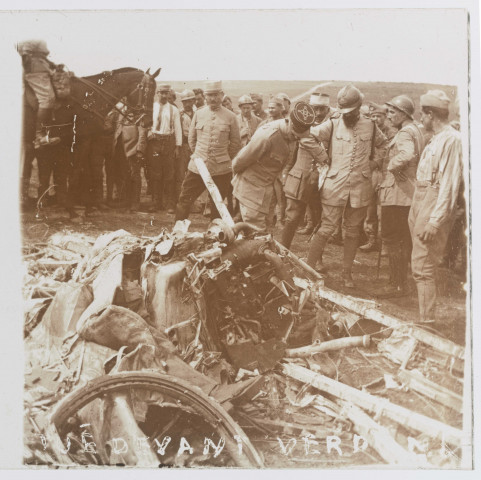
<point x="258" y="110"/>
<point x="186" y="114"/>
<point x="214" y="137"/>
<point x="248" y="122"/>
<point x="378" y="114"/>
<point x="287" y="103"/>
<point x="275" y="107"/>
<point x="320" y="103"/>
<point x="433" y="208"/>
<point x="38" y="70"/>
<point x="165" y="142"/>
<point x="353" y="143"/>
<point x="227" y="103"/>
<point x="398" y="172"/>
<point x="257" y="166"/>
<point x="130" y="143"/>
<point x="300" y="186"/>
<point x="199" y="98"/>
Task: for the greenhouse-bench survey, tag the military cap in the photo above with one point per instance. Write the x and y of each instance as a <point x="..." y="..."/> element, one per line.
<point x="284" y="96"/>
<point x="349" y="98"/>
<point x="436" y="99"/>
<point x="375" y="108"/>
<point x="213" y="87"/>
<point x="245" y="100"/>
<point x="187" y="95"/>
<point x="302" y="116"/>
<point x="164" y="87"/>
<point x="319" y="100"/>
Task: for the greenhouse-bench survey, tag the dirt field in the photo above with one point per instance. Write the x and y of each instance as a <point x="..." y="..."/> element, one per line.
<point x="451" y="322"/>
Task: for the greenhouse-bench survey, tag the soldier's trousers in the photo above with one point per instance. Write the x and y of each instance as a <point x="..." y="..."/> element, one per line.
<point x="396" y="236"/>
<point x="160" y="154"/>
<point x="54" y="160"/>
<point x="371" y="224"/>
<point x="193" y="186"/>
<point x="87" y="176"/>
<point x="180" y="168"/>
<point x="254" y="217"/>
<point x="332" y="215"/>
<point x="426" y="255"/>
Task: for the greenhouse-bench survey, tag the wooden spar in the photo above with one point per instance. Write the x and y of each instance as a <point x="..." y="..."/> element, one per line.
<point x="300" y="263"/>
<point x="379" y="438"/>
<point x="346" y="342"/>
<point x="418" y="382"/>
<point x="365" y="310"/>
<point x="376" y="405"/>
<point x="214" y="191"/>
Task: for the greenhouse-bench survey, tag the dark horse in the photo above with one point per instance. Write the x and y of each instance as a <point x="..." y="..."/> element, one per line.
<point x="80" y="118"/>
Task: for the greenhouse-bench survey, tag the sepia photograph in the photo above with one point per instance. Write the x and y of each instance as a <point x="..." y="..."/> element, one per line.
<point x="240" y="236"/>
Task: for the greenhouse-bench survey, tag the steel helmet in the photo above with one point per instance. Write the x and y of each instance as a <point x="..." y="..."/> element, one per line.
<point x="245" y="100"/>
<point x="404" y="104"/>
<point x="349" y="98"/>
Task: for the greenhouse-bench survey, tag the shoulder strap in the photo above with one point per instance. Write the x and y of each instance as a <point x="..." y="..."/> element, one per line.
<point x="329" y="148"/>
<point x="171" y="111"/>
<point x="373" y="138"/>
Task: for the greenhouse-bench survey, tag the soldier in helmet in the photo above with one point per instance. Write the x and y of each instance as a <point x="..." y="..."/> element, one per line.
<point x="378" y="114"/>
<point x="354" y="144"/>
<point x="396" y="191"/>
<point x="287" y="103"/>
<point x="258" y="165"/>
<point x="258" y="110"/>
<point x="248" y="122"/>
<point x="321" y="105"/>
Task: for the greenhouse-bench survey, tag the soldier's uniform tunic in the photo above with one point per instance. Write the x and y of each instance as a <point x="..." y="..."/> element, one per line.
<point x="256" y="168"/>
<point x="347" y="189"/>
<point x="438" y="180"/>
<point x="214" y="137"/>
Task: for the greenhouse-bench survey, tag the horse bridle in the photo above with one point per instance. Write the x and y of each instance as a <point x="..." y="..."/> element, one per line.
<point x="141" y="109"/>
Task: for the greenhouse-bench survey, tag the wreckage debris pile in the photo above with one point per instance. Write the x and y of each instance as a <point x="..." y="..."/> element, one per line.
<point x="192" y="340"/>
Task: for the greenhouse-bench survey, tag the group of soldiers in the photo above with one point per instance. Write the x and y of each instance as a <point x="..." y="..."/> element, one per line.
<point x="327" y="168"/>
<point x="333" y="166"/>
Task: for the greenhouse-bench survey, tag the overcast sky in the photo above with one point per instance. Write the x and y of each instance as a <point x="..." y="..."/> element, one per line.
<point x="385" y="45"/>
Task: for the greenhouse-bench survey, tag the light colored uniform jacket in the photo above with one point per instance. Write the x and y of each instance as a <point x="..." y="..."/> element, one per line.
<point x="403" y="153"/>
<point x="349" y="176"/>
<point x="214" y="137"/>
<point x="258" y="164"/>
<point x="310" y="155"/>
<point x="441" y="170"/>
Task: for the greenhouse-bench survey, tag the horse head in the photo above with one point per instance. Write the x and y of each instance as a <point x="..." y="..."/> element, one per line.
<point x="146" y="91"/>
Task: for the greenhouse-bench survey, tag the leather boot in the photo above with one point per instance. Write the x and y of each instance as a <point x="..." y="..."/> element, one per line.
<point x="395" y="286"/>
<point x="316" y="249"/>
<point x="371" y="245"/>
<point x="350" y="247"/>
<point x="307" y="230"/>
<point x="427" y="301"/>
<point x="288" y="233"/>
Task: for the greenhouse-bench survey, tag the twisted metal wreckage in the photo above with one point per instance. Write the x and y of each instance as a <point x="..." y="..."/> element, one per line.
<point x="155" y="351"/>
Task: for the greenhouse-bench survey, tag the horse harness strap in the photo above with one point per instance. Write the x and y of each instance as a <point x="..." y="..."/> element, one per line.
<point x="105" y="95"/>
